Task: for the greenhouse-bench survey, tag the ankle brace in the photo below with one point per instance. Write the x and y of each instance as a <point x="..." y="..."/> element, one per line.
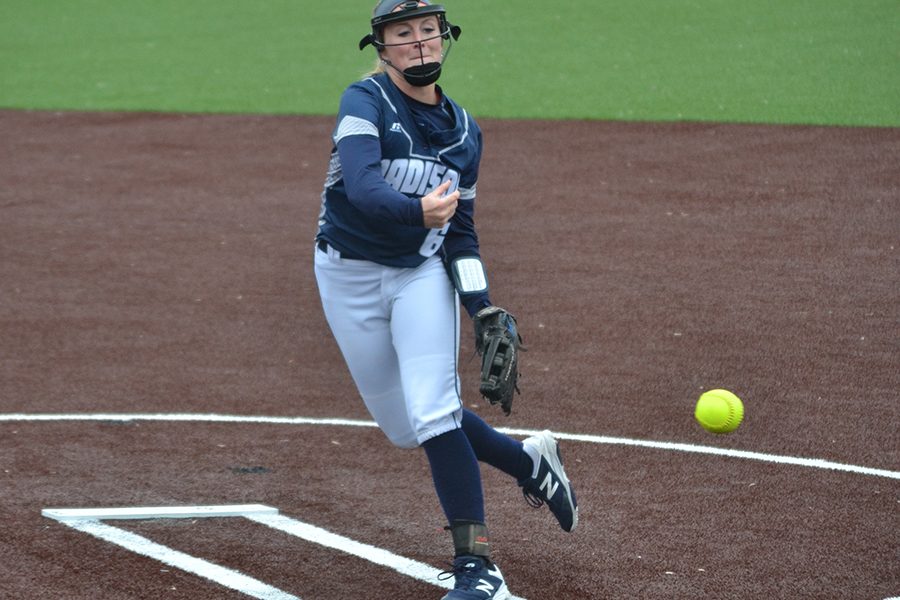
<point x="470" y="538"/>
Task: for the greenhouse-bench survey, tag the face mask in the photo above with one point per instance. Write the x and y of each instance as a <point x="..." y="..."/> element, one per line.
<point x="422" y="74"/>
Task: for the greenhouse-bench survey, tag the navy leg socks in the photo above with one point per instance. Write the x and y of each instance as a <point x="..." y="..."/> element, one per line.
<point x="456" y="475"/>
<point x="496" y="449"/>
<point x="454" y="458"/>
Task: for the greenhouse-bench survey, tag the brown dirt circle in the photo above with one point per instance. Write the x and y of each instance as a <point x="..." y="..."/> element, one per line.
<point x="162" y="264"/>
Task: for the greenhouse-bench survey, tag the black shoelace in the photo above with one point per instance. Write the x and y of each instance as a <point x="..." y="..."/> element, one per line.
<point x="532" y="498"/>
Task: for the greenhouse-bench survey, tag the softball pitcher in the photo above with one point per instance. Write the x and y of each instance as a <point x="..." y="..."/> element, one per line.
<point x="395" y="252"/>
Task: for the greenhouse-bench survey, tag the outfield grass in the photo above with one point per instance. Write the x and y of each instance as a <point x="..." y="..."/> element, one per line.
<point x="788" y="61"/>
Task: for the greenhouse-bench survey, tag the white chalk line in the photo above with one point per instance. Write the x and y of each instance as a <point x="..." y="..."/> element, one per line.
<point x="132" y="513"/>
<point x="592" y="439"/>
<point x="379" y="556"/>
<point x="140" y="545"/>
<point x="731" y="453"/>
<point x="87" y="520"/>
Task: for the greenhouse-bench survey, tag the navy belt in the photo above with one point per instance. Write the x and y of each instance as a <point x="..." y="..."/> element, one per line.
<point x="323" y="246"/>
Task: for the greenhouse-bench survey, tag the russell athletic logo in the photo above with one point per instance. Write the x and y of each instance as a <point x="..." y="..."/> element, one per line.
<point x="417" y="177"/>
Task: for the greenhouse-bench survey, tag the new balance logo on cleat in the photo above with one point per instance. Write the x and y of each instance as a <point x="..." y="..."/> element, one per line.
<point x="477" y="579"/>
<point x="549" y="484"/>
<point x="548" y="487"/>
<point x="485" y="586"/>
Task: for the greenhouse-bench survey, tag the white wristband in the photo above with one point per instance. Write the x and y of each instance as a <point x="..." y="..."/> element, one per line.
<point x="468" y="275"/>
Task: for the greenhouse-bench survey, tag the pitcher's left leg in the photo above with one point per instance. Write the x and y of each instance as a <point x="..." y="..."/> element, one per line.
<point x="425" y="328"/>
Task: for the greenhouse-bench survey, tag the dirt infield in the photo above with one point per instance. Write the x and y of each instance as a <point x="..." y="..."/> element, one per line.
<point x="161" y="264"/>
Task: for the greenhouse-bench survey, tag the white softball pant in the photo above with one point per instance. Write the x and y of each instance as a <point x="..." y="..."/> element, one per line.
<point x="398" y="329"/>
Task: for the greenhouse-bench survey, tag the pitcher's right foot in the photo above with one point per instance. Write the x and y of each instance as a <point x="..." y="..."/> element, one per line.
<point x="548" y="483"/>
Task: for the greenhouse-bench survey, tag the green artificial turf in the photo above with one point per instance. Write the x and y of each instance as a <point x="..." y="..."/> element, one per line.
<point x="789" y="61"/>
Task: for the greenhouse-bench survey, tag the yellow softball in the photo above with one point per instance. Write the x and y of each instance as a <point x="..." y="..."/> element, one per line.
<point x="719" y="411"/>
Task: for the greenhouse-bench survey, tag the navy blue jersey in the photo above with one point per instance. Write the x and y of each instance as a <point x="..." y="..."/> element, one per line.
<point x="389" y="151"/>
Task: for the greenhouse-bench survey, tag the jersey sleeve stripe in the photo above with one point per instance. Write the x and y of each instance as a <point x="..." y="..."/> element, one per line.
<point x="354" y="126"/>
<point x="466" y="193"/>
